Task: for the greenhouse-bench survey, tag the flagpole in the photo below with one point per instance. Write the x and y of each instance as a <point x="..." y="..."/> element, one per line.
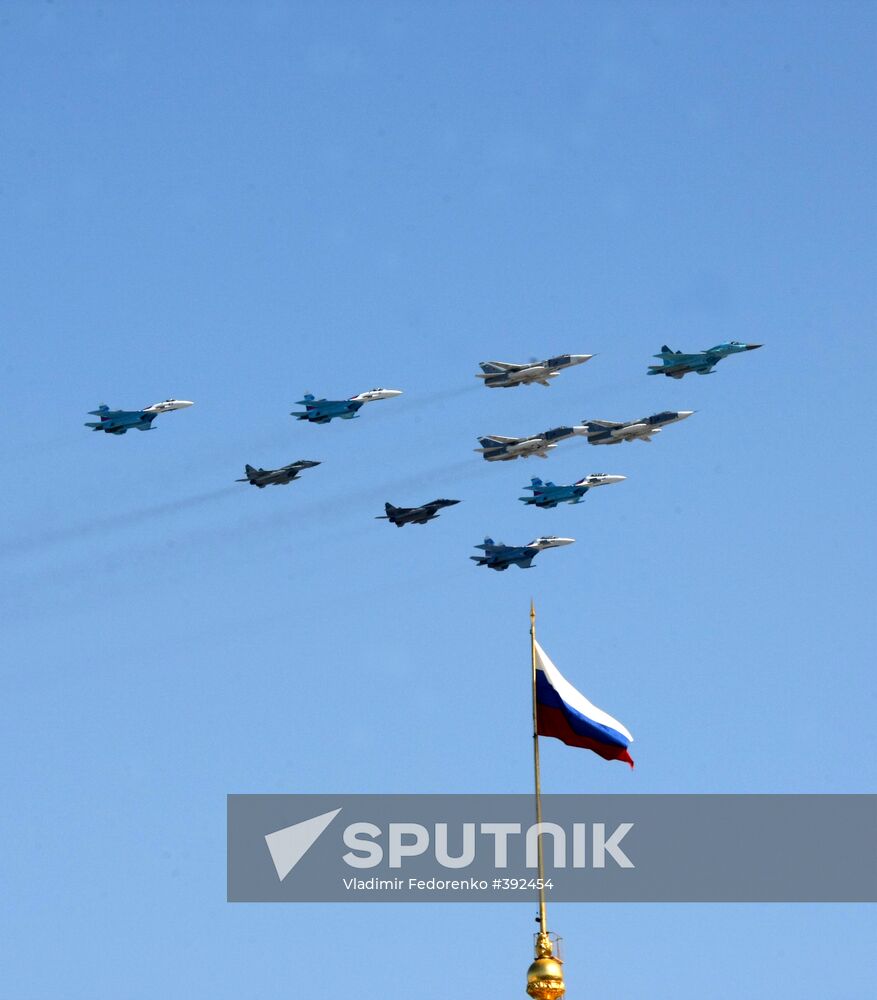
<point x="543" y="925"/>
<point x="545" y="975"/>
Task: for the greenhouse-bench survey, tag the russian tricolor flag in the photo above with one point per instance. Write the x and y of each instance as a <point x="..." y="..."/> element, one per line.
<point x="566" y="714"/>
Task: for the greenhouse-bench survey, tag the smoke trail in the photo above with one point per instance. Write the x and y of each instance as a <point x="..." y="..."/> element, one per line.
<point x="111" y="522"/>
<point x="341" y="514"/>
<point x="331" y="510"/>
<point x="284" y="432"/>
<point x="408" y="404"/>
<point x="442" y="396"/>
<point x="352" y="500"/>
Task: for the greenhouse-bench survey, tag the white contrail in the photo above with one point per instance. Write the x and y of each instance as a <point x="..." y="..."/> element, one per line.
<point x="110" y="522"/>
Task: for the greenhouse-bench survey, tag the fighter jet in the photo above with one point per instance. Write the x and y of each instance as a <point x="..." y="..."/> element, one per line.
<point x="676" y="364"/>
<point x="504" y="449"/>
<point x="321" y="411"/>
<point x="275" y="477"/>
<point x="414" y="515"/>
<point x="499" y="556"/>
<point x="606" y="432"/>
<point x="503" y="375"/>
<point x="121" y="421"/>
<point x="548" y="495"/>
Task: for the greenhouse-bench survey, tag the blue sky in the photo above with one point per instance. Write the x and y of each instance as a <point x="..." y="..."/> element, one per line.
<point x="239" y="203"/>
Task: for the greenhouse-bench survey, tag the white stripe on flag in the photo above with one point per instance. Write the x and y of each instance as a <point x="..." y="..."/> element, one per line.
<point x="575" y="699"/>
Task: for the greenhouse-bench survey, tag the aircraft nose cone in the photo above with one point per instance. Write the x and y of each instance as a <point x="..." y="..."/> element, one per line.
<point x="682" y="414"/>
<point x="578" y="359"/>
<point x="373" y="394"/>
<point x="168" y="405"/>
<point x="752" y="347"/>
<point x="615" y="479"/>
<point x="580" y="429"/>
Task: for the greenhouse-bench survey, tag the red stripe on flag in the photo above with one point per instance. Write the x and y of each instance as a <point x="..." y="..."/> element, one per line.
<point x="552" y="722"/>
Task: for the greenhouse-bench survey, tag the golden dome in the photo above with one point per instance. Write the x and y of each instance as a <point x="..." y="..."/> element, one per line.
<point x="545" y="979"/>
<point x="545" y="975"/>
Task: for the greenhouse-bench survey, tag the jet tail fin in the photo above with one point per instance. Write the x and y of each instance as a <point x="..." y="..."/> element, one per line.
<point x="391" y="512"/>
<point x="307" y="401"/>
